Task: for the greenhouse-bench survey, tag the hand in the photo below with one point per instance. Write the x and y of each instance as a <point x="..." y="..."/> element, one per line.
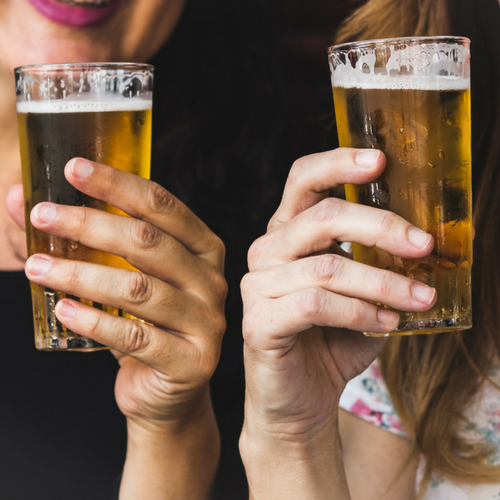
<point x="306" y="301"/>
<point x="166" y="363"/>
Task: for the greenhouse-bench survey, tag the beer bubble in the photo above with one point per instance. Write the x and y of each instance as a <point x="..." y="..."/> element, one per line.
<point x="47" y="172"/>
<point x="422" y="272"/>
<point x="446" y="264"/>
<point x="376" y="194"/>
<point x="441" y="154"/>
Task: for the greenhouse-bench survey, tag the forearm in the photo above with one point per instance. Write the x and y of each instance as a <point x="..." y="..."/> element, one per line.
<point x="178" y="461"/>
<point x="285" y="468"/>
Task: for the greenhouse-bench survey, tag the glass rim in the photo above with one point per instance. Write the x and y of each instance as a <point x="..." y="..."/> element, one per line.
<point x="79" y="66"/>
<point x="410" y="40"/>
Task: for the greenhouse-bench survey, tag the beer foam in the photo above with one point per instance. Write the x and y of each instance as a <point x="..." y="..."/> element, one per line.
<point x="83" y="106"/>
<point x="400" y="64"/>
<point x="401" y="83"/>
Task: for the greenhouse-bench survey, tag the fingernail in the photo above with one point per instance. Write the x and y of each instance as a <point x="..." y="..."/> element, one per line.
<point x="388" y="318"/>
<point x="81" y="169"/>
<point x="45" y="212"/>
<point x="367" y="158"/>
<point x="419" y="238"/>
<point x="66" y="309"/>
<point x="423" y="293"/>
<point x="38" y="265"/>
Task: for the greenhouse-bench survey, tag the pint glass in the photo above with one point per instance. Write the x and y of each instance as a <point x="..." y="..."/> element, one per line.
<point x="410" y="98"/>
<point x="101" y="112"/>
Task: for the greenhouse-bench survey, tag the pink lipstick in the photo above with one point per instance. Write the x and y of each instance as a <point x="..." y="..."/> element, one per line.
<point x="76" y="13"/>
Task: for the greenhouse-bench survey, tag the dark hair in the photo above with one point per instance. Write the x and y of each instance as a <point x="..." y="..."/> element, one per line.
<point x="233" y="108"/>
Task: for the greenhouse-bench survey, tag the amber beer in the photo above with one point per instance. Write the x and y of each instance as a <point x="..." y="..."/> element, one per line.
<point x="422" y="124"/>
<point x="113" y="130"/>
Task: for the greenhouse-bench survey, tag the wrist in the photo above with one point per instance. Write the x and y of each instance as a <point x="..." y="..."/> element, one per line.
<point x="196" y="412"/>
<point x="163" y="456"/>
<point x="289" y="441"/>
<point x="288" y="465"/>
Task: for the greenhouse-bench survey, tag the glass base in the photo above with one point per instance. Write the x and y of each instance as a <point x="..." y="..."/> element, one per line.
<point x="50" y="333"/>
<point x="421" y="327"/>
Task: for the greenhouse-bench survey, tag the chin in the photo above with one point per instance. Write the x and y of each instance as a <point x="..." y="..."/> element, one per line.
<point x="132" y="30"/>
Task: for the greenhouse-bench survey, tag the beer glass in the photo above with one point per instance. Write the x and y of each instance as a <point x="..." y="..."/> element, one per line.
<point x="410" y="98"/>
<point x="101" y="112"/>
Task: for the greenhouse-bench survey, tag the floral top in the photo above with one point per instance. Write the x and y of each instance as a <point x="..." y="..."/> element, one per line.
<point x="366" y="396"/>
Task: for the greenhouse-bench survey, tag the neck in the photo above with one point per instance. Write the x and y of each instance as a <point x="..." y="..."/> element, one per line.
<point x="12" y="241"/>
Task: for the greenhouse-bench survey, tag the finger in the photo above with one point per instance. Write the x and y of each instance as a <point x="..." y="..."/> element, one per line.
<point x="146" y="343"/>
<point x="274" y="324"/>
<point x="340" y="275"/>
<point x="143" y="199"/>
<point x="312" y="177"/>
<point x="136" y="293"/>
<point x="142" y="244"/>
<point x="15" y="205"/>
<point x="331" y="220"/>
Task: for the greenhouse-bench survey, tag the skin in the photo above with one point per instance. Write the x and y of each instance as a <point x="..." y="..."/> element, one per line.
<point x="134" y="33"/>
<point x="166" y="363"/>
<point x="303" y="314"/>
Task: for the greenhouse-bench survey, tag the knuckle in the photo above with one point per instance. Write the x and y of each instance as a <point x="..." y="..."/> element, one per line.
<point x="95" y="327"/>
<point x="73" y="274"/>
<point x="327" y="267"/>
<point x="205" y="360"/>
<point x="160" y="199"/>
<point x="249" y="325"/>
<point x="256" y="251"/>
<point x="82" y="219"/>
<point x="218" y="245"/>
<point x="220" y="285"/>
<point x="326" y="210"/>
<point x="354" y="312"/>
<point x="144" y="235"/>
<point x="387" y="221"/>
<point x="385" y="285"/>
<point x="135" y="337"/>
<point x="296" y="171"/>
<point x="246" y="284"/>
<point x="311" y="303"/>
<point x="138" y="289"/>
<point x="219" y="325"/>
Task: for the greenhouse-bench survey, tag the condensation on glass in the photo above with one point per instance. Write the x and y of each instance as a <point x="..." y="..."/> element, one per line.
<point x="101" y="112"/>
<point x="410" y="98"/>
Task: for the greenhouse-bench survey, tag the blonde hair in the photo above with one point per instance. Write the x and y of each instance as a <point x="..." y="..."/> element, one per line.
<point x="432" y="379"/>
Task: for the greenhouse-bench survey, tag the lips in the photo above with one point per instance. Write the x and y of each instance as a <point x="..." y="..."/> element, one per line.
<point x="76" y="13"/>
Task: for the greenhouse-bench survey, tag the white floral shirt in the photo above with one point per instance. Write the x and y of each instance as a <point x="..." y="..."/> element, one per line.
<point x="366" y="396"/>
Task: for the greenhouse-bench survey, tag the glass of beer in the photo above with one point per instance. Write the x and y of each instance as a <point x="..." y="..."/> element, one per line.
<point x="410" y="98"/>
<point x="98" y="111"/>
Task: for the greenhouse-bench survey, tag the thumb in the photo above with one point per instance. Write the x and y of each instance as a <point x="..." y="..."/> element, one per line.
<point x="15" y="205"/>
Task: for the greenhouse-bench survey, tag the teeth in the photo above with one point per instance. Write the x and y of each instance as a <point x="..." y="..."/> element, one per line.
<point x="85" y="3"/>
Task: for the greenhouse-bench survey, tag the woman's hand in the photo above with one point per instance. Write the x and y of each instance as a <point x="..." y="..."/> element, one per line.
<point x="305" y="304"/>
<point x="165" y="362"/>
